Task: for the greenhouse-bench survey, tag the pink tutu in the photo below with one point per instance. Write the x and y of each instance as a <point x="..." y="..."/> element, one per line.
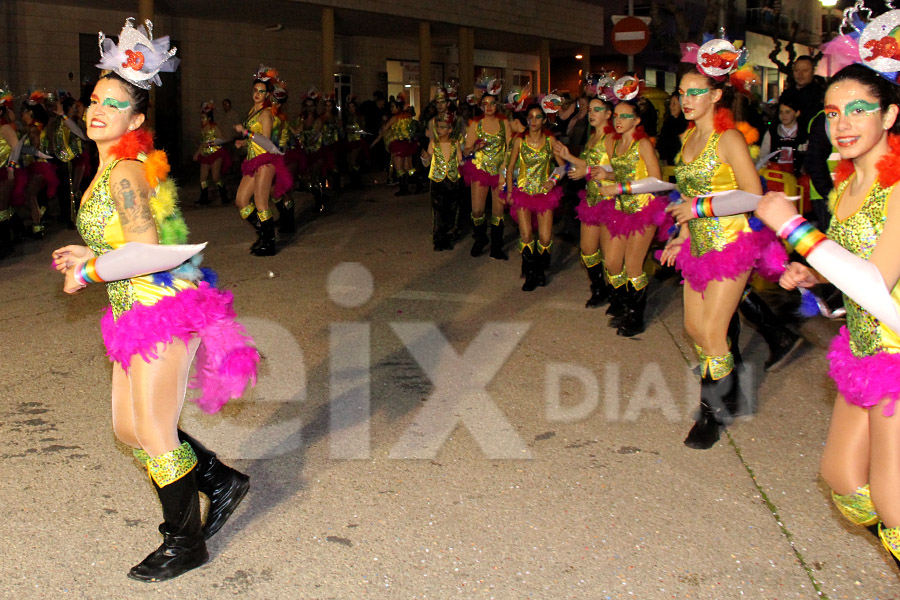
<point x="298" y="158"/>
<point x="864" y="380"/>
<point x="622" y="224"/>
<point x="537" y="203"/>
<point x="283" y="179"/>
<point x="403" y="148"/>
<point x="472" y="174"/>
<point x="220" y="154"/>
<point x="589" y="215"/>
<point x="226" y="360"/>
<point x="759" y="250"/>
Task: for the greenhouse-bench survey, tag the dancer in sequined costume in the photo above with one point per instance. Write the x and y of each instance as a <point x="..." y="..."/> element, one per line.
<point x="213" y="159"/>
<point x="715" y="255"/>
<point x="487" y="139"/>
<point x="860" y="462"/>
<point x="158" y="321"/>
<point x="534" y="192"/>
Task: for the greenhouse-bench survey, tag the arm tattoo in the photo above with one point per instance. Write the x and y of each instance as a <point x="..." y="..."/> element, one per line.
<point x="133" y="206"/>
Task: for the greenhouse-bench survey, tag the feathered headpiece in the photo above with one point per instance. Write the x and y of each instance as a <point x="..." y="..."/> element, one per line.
<point x="137" y="58"/>
<point x="6" y="98"/>
<point x="312" y="94"/>
<point x="489" y="85"/>
<point x="872" y="43"/>
<point x="518" y="97"/>
<point x="453" y="90"/>
<point x="551" y="103"/>
<point x="626" y="88"/>
<point x="36" y="97"/>
<point x="441" y="94"/>
<point x="280" y="91"/>
<point x="716" y="58"/>
<point x="265" y="74"/>
<point x="600" y="85"/>
<point x="207" y="107"/>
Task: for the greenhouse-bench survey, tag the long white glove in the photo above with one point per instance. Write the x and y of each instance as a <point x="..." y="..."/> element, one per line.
<point x="135" y="259"/>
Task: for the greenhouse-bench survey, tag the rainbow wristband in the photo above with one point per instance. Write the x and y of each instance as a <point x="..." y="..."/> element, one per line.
<point x="87" y="272"/>
<point x="624" y="188"/>
<point x="702" y="207"/>
<point x="555" y="177"/>
<point x="800" y="233"/>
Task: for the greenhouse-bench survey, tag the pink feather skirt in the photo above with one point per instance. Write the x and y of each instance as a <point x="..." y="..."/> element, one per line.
<point x="226" y="360"/>
<point x="283" y="179"/>
<point x="536" y="203"/>
<point x="472" y="174"/>
<point x="865" y="381"/>
<point x="758" y="250"/>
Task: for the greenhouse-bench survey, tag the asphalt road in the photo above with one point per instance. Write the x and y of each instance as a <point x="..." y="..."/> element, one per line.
<point x="423" y="429"/>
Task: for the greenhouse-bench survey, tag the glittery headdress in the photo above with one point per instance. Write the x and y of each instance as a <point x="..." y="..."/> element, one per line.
<point x="551" y="103"/>
<point x="6" y="97"/>
<point x="137" y="58"/>
<point x="489" y="85"/>
<point x="716" y="58"/>
<point x="280" y="91"/>
<point x="874" y="43"/>
<point x="207" y="107"/>
<point x="37" y="97"/>
<point x="517" y="98"/>
<point x="626" y="88"/>
<point x="600" y="85"/>
<point x="265" y="74"/>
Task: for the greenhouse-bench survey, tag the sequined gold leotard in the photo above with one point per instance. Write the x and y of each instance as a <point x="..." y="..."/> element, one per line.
<point x="208" y="134"/>
<point x="630" y="167"/>
<point x="859" y="233"/>
<point x="704" y="175"/>
<point x="254" y="125"/>
<point x="595" y="156"/>
<point x="99" y="226"/>
<point x="490" y="158"/>
<point x="534" y="167"/>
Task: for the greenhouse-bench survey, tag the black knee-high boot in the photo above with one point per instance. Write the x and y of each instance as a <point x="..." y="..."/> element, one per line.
<point x="599" y="287"/>
<point x="716" y="396"/>
<point x="267" y="244"/>
<point x="530" y="263"/>
<point x="225" y="487"/>
<point x="497" y="240"/>
<point x="223" y="193"/>
<point x="286" y="223"/>
<point x="183" y="546"/>
<point x="632" y="322"/>
<point x="479" y="234"/>
<point x="249" y="214"/>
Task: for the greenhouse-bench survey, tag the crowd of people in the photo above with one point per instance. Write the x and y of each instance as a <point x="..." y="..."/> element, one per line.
<point x="547" y="162"/>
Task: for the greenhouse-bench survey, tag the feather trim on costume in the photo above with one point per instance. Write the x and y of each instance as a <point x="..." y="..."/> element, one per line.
<point x="888" y="166"/>
<point x="622" y="224"/>
<point x="472" y="174"/>
<point x="139" y="141"/>
<point x="156" y="167"/>
<point x="864" y="381"/>
<point x="226" y="360"/>
<point x="843" y="171"/>
<point x="759" y="250"/>
<point x="164" y="199"/>
<point x="283" y="180"/>
<point x="723" y="120"/>
<point x="536" y="203"/>
<point x="751" y="134"/>
<point x="590" y="215"/>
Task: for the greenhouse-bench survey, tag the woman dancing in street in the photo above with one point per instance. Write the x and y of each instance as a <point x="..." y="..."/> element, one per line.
<point x="213" y="159"/>
<point x="159" y="319"/>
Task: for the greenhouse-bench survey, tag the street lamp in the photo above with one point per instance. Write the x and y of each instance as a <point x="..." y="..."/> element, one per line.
<point x="828" y="5"/>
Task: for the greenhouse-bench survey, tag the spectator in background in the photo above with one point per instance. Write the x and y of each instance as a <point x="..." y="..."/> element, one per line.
<point x="649" y="116"/>
<point x="669" y="141"/>
<point x="806" y="92"/>
<point x="785" y="136"/>
<point x="228" y="119"/>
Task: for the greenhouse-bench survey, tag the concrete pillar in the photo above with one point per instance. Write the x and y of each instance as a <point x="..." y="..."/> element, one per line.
<point x="544" y="75"/>
<point x="145" y="10"/>
<point x="327" y="50"/>
<point x="424" y="66"/>
<point x="466" y="62"/>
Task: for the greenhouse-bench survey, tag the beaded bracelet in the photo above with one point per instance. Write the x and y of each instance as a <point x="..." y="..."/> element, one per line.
<point x="87" y="272"/>
<point x="801" y="234"/>
<point x="702" y="207"/>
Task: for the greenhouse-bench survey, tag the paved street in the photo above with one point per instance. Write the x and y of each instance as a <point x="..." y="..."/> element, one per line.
<point x="423" y="429"/>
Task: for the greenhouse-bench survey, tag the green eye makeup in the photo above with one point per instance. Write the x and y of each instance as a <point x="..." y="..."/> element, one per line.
<point x="695" y="92"/>
<point x="625" y="116"/>
<point x="113" y="103"/>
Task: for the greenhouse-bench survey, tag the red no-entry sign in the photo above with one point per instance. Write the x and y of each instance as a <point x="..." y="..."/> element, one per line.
<point x="630" y="35"/>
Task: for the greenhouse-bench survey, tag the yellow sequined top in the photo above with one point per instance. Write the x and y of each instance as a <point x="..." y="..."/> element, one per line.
<point x="859" y="233"/>
<point x="100" y="228"/>
<point x="354" y="129"/>
<point x="534" y="167"/>
<point x="310" y="136"/>
<point x="704" y="175"/>
<point x="5" y="151"/>
<point x="43" y="145"/>
<point x="208" y="133"/>
<point x="66" y="145"/>
<point x="444" y="167"/>
<point x="331" y="132"/>
<point x="629" y="167"/>
<point x="595" y="156"/>
<point x="254" y="125"/>
<point x="490" y="158"/>
<point x="280" y="132"/>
